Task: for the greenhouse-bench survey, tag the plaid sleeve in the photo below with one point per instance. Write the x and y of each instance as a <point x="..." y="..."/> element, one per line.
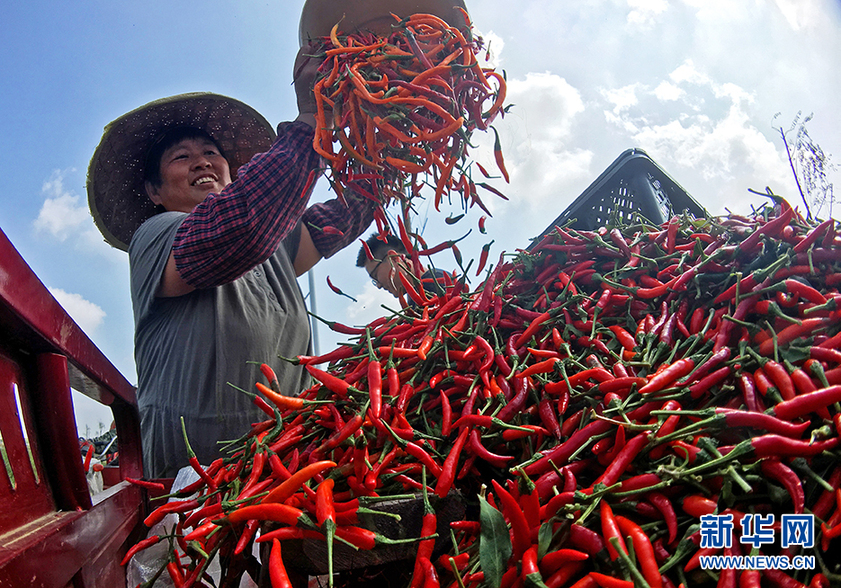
<point x="351" y="221"/>
<point x="231" y="232"/>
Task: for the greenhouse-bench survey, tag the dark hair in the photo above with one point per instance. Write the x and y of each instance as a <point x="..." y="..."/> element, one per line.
<point x="379" y="248"/>
<point x="170" y="137"/>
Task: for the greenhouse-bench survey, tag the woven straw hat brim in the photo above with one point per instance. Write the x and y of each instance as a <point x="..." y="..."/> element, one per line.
<point x="116" y="193"/>
<point x="319" y="16"/>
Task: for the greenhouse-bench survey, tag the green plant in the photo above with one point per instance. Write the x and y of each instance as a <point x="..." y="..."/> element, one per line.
<point x="810" y="166"/>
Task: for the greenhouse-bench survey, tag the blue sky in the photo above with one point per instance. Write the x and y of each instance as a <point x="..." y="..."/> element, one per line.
<point x="695" y="83"/>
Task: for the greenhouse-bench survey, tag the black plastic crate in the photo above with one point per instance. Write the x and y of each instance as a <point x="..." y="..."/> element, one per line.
<point x="632" y="186"/>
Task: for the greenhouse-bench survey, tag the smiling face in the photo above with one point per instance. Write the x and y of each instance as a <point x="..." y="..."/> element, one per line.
<point x="189" y="170"/>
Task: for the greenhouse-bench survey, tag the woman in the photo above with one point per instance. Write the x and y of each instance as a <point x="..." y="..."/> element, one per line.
<point x="214" y="261"/>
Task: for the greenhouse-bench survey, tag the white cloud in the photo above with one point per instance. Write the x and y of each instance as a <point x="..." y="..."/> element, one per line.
<point x="62" y="213"/>
<point x="85" y="313"/>
<point x="644" y="13"/>
<point x="687" y="73"/>
<point x="668" y="92"/>
<point x="368" y="305"/>
<point x="801" y="14"/>
<point x="622" y="98"/>
<point x="537" y="138"/>
<point x="719" y="142"/>
<point x="721" y="11"/>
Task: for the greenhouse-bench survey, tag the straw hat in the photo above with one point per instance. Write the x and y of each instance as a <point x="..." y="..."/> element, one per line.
<point x="116" y="194"/>
<point x="319" y="16"/>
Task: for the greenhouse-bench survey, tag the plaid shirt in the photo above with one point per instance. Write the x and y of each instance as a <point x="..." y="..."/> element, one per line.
<point x="232" y="231"/>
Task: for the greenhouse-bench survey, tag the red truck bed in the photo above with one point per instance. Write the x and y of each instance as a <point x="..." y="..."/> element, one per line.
<point x="51" y="532"/>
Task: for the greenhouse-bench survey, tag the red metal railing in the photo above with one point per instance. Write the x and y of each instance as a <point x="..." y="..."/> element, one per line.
<point x="51" y="532"/>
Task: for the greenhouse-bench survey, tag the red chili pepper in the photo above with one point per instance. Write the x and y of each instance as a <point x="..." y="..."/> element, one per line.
<point x="780" y="579"/>
<point x="771" y="229"/>
<point x="176" y="574"/>
<point x="140" y="546"/>
<point x="531" y="573"/>
<point x="585" y="539"/>
<point x="393" y="380"/>
<point x="561" y="453"/>
<point x="483" y="257"/>
<point x="781" y="378"/>
<point x="375" y="386"/>
<point x="792" y="332"/>
<point x="500" y="163"/>
<point x="429" y="524"/>
<point x="664" y="505"/>
<point x="623" y="460"/>
<point x="481" y="452"/>
<point x="365" y="538"/>
<point x="157" y="486"/>
<point x="281" y="401"/>
<point x="418" y="453"/>
<point x="349" y="428"/>
<point x="703" y="386"/>
<point x="294" y="483"/>
<point x="178" y="506"/>
<point x="324" y="508"/>
<point x="425" y="346"/>
<point x="448" y="470"/>
<point x="697" y="506"/>
<point x="818" y="581"/>
<point x="540" y="367"/>
<point x="337" y="290"/>
<point x="761" y="421"/>
<point x="548" y="416"/>
<point x="775" y="445"/>
<point x="610" y="530"/>
<point x="643" y="551"/>
<point x="446" y="414"/>
<point x="552" y="561"/>
<point x="671" y="374"/>
<point x="194" y="462"/>
<point x="279" y="513"/>
<point x="807" y="403"/>
<point x="248" y="533"/>
<point x="776" y="470"/>
<point x="825" y="354"/>
<point x="601" y="375"/>
<point x="804" y="291"/>
<point x="88" y="457"/>
<point x="285" y="533"/>
<point x="277" y="569"/>
<point x="334" y="384"/>
<point x="208" y="510"/>
<point x="806" y="242"/>
<point x="605" y="581"/>
<point x="270" y="375"/>
<point x="750" y="579"/>
<point x="521" y="535"/>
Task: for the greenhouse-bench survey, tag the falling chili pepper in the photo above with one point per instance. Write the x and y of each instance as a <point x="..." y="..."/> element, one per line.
<point x="483" y="257"/>
<point x="338" y="291"/>
<point x="500" y="163"/>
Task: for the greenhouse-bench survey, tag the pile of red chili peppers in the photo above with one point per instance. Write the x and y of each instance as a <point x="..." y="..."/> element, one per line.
<point x="396" y="113"/>
<point x="590" y="402"/>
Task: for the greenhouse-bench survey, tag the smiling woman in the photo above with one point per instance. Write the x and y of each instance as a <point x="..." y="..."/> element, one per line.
<point x="183" y="166"/>
<point x="213" y="262"/>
